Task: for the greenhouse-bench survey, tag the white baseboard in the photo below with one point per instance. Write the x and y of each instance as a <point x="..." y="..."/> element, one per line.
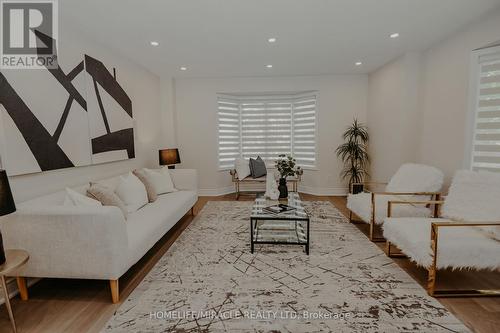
<point x="330" y="191"/>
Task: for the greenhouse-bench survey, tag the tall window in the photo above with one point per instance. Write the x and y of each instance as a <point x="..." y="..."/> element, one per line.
<point x="267" y="127"/>
<point x="485" y="140"/>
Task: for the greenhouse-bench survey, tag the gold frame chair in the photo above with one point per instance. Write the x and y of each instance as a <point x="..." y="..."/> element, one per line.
<point x="432" y="270"/>
<point x="433" y="195"/>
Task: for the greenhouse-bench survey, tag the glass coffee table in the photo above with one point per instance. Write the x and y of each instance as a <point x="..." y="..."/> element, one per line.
<point x="289" y="228"/>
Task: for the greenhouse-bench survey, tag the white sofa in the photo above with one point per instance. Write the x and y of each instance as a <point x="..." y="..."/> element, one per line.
<point x="410" y="182"/>
<point x="466" y="237"/>
<point x="94" y="242"/>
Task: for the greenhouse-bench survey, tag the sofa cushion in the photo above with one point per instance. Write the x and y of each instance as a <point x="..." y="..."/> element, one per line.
<point x="148" y="184"/>
<point x="161" y="180"/>
<point x="474" y="197"/>
<point x="258" y="167"/>
<point x="74" y="198"/>
<point x="458" y="247"/>
<point x="132" y="192"/>
<point x="361" y="205"/>
<point x="106" y="196"/>
<point x="147" y="225"/>
<point x="242" y="167"/>
<point x="412" y="177"/>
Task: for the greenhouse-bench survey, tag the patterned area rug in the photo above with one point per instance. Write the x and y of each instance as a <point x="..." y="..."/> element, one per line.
<point x="208" y="281"/>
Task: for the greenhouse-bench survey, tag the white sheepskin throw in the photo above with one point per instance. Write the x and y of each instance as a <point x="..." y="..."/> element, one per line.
<point x="361" y="205"/>
<point x="474" y="197"/>
<point x="460" y="247"/>
<point x="416" y="178"/>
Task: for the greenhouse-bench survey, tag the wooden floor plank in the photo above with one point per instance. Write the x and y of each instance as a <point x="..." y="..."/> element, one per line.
<point x="64" y="305"/>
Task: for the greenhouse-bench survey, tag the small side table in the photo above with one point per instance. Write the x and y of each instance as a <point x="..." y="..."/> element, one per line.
<point x="15" y="259"/>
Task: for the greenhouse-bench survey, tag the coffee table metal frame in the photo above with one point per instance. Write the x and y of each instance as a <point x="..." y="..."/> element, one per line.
<point x="254" y="219"/>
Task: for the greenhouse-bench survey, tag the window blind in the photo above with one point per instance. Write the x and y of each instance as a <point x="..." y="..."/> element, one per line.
<point x="486" y="140"/>
<point x="254" y="126"/>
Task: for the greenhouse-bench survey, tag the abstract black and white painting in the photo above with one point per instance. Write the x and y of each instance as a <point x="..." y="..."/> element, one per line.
<point x="74" y="115"/>
<point x="110" y="115"/>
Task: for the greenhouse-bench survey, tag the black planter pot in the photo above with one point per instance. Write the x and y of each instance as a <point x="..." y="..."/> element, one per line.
<point x="283" y="188"/>
<point x="357" y="188"/>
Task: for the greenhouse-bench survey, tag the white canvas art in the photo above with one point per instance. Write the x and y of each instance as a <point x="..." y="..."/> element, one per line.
<point x="74" y="115"/>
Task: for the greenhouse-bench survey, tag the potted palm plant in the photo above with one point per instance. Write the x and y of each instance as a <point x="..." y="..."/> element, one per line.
<point x="286" y="166"/>
<point x="354" y="154"/>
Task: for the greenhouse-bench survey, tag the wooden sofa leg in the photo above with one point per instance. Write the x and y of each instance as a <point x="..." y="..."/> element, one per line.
<point x="115" y="291"/>
<point x="23" y="289"/>
<point x="192" y="211"/>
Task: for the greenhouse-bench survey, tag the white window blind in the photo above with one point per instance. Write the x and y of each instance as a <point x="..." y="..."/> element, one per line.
<point x="486" y="138"/>
<point x="267" y="127"/>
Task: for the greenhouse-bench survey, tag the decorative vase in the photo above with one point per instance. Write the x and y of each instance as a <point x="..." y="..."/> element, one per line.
<point x="283" y="188"/>
<point x="2" y="252"/>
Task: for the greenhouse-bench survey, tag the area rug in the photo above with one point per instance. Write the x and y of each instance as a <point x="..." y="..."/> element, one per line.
<point x="208" y="281"/>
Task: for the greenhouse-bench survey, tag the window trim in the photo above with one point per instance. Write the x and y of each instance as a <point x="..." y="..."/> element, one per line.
<point x="474" y="87"/>
<point x="275" y="95"/>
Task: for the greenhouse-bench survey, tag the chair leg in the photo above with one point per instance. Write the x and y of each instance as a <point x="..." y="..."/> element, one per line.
<point x="23" y="289"/>
<point x="372" y="234"/>
<point x="350" y="216"/>
<point x="115" y="291"/>
<point x="431" y="280"/>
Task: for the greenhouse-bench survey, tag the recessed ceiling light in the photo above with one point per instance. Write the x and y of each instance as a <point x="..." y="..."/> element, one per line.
<point x="269" y="66"/>
<point x="359" y="63"/>
<point x="183" y="68"/>
<point x="154" y="43"/>
<point x="271" y="40"/>
<point x="394" y="35"/>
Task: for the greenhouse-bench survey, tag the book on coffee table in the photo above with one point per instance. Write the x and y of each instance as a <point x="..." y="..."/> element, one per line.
<point x="278" y="209"/>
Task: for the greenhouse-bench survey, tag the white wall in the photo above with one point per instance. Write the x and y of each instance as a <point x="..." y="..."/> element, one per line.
<point x="418" y="104"/>
<point x="341" y="98"/>
<point x="446" y="93"/>
<point x="393" y="115"/>
<point x="142" y="87"/>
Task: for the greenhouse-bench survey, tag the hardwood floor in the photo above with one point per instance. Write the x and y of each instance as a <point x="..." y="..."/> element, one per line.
<point x="63" y="305"/>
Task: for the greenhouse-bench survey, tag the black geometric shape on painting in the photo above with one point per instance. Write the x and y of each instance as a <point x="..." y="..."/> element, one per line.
<point x="65" y="80"/>
<point x="119" y="140"/>
<point x="101" y="107"/>
<point x="72" y="75"/>
<point x="42" y="145"/>
<point x="99" y="73"/>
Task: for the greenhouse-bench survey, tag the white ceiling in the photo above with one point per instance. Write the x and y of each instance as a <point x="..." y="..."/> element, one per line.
<point x="218" y="38"/>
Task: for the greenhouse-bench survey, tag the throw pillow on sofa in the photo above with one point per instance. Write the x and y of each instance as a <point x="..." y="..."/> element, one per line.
<point x="74" y="198"/>
<point x="258" y="167"/>
<point x="132" y="192"/>
<point x="148" y="184"/>
<point x="106" y="196"/>
<point x="242" y="167"/>
<point x="161" y="180"/>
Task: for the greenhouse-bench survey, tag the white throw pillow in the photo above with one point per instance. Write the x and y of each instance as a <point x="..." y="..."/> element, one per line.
<point x="161" y="180"/>
<point x="74" y="198"/>
<point x="242" y="167"/>
<point x="132" y="192"/>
